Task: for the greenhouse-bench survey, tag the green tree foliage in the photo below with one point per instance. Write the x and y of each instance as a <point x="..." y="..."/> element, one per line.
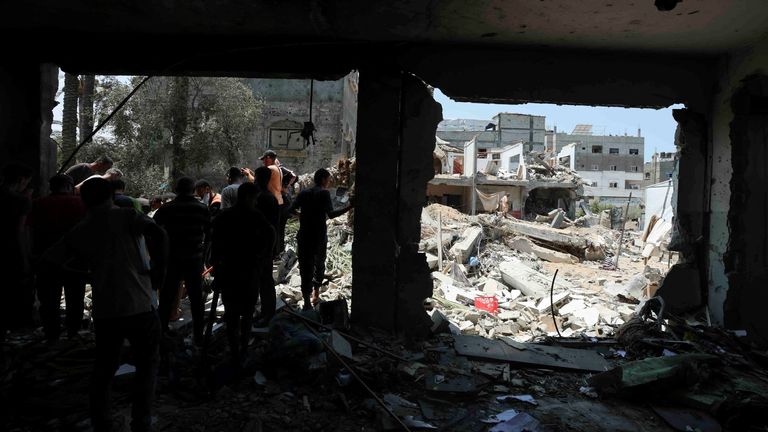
<point x="211" y="120"/>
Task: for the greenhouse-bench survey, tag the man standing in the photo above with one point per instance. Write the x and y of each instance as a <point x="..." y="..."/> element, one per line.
<point x="18" y="297"/>
<point x="111" y="241"/>
<point x="315" y="207"/>
<point x="120" y="198"/>
<point x="267" y="205"/>
<point x="50" y="218"/>
<point x="188" y="223"/>
<point x="235" y="178"/>
<point x="275" y="187"/>
<point x="240" y="235"/>
<point x="204" y="191"/>
<point x="80" y="172"/>
<point x="276" y="181"/>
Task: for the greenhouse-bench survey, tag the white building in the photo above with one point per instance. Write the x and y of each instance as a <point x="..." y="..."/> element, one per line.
<point x="613" y="185"/>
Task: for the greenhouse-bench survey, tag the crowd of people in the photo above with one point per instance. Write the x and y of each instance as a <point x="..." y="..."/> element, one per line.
<point x="138" y="257"/>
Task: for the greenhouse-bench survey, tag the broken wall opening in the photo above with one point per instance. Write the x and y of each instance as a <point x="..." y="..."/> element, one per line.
<point x="200" y="126"/>
<point x="541" y="201"/>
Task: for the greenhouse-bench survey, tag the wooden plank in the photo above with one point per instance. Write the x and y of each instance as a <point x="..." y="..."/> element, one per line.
<point x="533" y="355"/>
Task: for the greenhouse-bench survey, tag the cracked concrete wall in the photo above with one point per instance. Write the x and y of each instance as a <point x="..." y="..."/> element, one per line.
<point x="397" y="120"/>
<point x="731" y="71"/>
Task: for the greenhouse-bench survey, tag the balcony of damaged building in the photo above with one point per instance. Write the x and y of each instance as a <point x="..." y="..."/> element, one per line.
<point x="691" y="356"/>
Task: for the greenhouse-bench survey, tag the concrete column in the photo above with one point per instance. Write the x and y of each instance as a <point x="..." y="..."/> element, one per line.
<point x="396" y="124"/>
<point x="374" y="250"/>
<point x="419" y="118"/>
<point x="684" y="287"/>
<point x="27" y="92"/>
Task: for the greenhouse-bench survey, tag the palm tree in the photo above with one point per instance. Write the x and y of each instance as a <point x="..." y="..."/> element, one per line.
<point x="86" y="105"/>
<point x="69" y="117"/>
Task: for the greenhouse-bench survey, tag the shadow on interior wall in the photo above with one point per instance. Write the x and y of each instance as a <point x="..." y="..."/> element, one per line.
<point x="746" y="259"/>
<point x="684" y="288"/>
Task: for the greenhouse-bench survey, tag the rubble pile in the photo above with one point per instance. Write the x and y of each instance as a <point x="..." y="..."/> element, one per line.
<point x="497" y="279"/>
<point x="342" y="175"/>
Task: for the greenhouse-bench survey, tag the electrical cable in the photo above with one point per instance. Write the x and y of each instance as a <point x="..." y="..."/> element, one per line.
<point x="552" y="302"/>
<point x="338" y="357"/>
<point x="101" y="125"/>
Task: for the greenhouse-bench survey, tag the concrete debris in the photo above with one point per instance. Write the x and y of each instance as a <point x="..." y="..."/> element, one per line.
<point x="523" y="244"/>
<point x="527" y="280"/>
<point x="465" y="247"/>
<point x="523" y="422"/>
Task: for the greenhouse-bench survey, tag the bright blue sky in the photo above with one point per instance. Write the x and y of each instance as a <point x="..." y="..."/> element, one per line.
<point x="657" y="126"/>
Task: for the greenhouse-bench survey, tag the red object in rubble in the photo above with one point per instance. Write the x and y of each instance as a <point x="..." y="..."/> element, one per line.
<point x="487" y="303"/>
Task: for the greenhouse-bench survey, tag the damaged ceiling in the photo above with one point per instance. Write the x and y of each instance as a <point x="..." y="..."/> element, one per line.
<point x="692" y="26"/>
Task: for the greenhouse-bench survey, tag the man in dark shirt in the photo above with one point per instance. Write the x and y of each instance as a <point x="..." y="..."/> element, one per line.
<point x="315" y="207"/>
<point x="121" y="199"/>
<point x="188" y="223"/>
<point x="111" y="241"/>
<point x="50" y="218"/>
<point x="208" y="196"/>
<point x="80" y="172"/>
<point x="18" y="298"/>
<point x="241" y="235"/>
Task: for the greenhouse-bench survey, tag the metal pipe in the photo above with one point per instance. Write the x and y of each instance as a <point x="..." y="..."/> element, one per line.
<point x="623" y="227"/>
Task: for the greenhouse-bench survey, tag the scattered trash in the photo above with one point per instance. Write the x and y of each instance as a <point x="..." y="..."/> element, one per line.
<point x="522" y="398"/>
<point x="501" y="417"/>
<point x="125" y="369"/>
<point x="519" y="423"/>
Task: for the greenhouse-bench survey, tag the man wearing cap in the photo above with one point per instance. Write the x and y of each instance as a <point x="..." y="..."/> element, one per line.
<point x="275" y="187"/>
<point x="276" y="181"/>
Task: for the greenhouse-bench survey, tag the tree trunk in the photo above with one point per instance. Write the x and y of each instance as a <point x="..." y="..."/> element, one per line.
<point x="86" y="106"/>
<point x="179" y="113"/>
<point x="69" y="118"/>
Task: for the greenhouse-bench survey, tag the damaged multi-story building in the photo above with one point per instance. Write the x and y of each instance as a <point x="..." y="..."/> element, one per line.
<point x="611" y="165"/>
<point x="660" y="168"/>
<point x="710" y="55"/>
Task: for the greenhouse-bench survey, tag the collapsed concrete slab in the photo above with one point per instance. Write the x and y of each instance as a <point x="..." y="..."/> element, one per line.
<point x="524" y="244"/>
<point x="465" y="247"/>
<point x="530" y="282"/>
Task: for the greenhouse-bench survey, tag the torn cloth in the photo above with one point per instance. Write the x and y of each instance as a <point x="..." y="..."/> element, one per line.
<point x="489" y="202"/>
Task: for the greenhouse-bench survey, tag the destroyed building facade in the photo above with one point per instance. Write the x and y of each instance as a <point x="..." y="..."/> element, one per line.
<point x="287" y="107"/>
